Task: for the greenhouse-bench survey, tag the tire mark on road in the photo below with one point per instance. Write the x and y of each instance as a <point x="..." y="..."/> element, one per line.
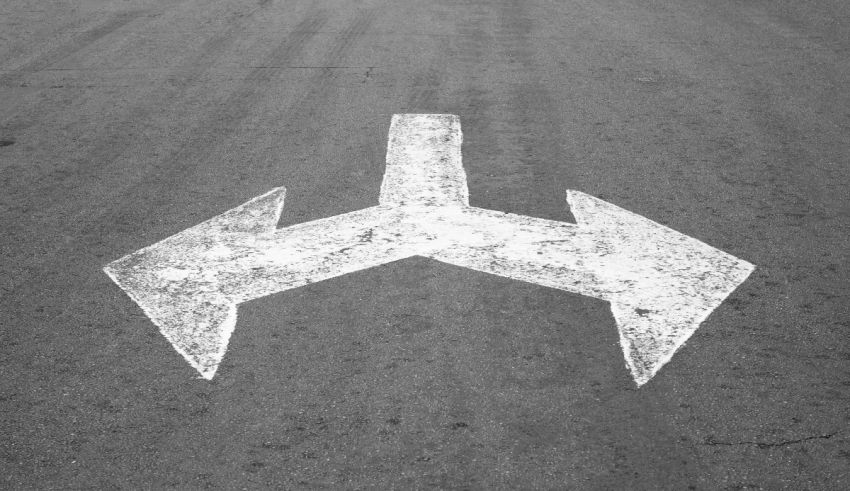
<point x="425" y="95"/>
<point x="184" y="75"/>
<point x="80" y="43"/>
<point x="173" y="171"/>
<point x="533" y="127"/>
<point x="69" y="196"/>
<point x="312" y="110"/>
<point x="240" y="104"/>
<point x="167" y="179"/>
<point x="112" y="144"/>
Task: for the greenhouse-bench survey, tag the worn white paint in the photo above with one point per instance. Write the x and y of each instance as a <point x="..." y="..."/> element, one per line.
<point x="661" y="284"/>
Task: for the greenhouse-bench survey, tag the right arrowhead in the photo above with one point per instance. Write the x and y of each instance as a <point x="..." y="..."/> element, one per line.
<point x="661" y="284"/>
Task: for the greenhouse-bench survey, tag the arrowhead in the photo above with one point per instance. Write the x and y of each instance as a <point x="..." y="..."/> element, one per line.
<point x="174" y="284"/>
<point x="662" y="284"/>
<point x="259" y="215"/>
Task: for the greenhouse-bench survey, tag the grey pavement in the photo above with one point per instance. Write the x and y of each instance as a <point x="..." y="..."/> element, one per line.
<point x="122" y="123"/>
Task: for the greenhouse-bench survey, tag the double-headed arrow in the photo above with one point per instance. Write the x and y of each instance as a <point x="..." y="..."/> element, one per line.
<point x="661" y="284"/>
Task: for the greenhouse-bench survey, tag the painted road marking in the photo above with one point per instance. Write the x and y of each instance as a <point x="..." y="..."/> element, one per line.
<point x="661" y="284"/>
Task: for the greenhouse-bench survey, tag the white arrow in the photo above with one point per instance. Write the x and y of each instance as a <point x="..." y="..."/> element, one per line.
<point x="661" y="284"/>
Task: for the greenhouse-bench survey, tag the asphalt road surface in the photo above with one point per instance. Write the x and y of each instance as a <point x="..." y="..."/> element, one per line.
<point x="123" y="123"/>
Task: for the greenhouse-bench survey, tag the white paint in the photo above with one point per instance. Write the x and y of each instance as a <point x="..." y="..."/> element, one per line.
<point x="661" y="284"/>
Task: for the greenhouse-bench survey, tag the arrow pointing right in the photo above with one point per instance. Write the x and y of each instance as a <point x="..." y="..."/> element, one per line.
<point x="661" y="284"/>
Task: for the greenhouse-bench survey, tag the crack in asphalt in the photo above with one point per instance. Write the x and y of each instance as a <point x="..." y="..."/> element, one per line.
<point x="712" y="441"/>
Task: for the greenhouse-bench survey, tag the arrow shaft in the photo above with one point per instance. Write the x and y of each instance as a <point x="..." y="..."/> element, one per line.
<point x="252" y="266"/>
<point x="641" y="267"/>
<point x="424" y="164"/>
<point x="554" y="254"/>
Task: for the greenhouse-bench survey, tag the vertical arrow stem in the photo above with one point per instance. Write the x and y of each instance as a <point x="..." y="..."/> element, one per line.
<point x="424" y="164"/>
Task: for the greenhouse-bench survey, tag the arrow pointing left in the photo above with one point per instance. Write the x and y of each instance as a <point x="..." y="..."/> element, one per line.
<point x="190" y="284"/>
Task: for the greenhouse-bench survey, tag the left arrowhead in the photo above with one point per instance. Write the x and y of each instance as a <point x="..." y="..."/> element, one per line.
<point x="175" y="284"/>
